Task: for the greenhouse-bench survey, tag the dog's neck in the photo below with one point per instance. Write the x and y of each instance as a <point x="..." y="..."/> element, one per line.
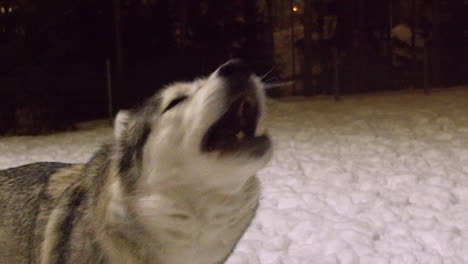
<point x="144" y="212"/>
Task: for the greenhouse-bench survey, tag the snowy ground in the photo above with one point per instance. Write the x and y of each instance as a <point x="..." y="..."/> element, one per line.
<point x="378" y="178"/>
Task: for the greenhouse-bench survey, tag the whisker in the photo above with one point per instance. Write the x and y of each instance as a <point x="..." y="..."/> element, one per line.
<point x="273" y="78"/>
<point x="268" y="72"/>
<point x="281" y="84"/>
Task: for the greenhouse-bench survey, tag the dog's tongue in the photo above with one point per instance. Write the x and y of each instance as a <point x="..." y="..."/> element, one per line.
<point x="248" y="116"/>
<point x="236" y="126"/>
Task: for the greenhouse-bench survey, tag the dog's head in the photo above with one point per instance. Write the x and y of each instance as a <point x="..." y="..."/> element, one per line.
<point x="206" y="132"/>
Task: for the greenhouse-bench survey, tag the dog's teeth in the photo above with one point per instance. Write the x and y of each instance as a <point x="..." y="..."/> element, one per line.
<point x="261" y="131"/>
<point x="240" y="135"/>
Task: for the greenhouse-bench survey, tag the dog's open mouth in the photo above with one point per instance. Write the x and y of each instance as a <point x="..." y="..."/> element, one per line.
<point x="235" y="130"/>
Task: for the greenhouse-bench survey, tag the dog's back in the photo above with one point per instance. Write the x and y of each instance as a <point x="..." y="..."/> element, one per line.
<point x="22" y="191"/>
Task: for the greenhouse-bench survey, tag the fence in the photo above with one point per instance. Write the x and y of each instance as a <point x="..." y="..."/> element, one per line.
<point x="373" y="45"/>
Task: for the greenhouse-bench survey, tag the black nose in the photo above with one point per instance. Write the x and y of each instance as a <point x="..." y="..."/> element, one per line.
<point x="235" y="69"/>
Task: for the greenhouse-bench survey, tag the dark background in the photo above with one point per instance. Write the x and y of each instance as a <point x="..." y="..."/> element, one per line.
<point x="53" y="53"/>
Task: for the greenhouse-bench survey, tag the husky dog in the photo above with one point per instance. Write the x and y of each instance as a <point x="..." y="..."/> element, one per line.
<point x="175" y="185"/>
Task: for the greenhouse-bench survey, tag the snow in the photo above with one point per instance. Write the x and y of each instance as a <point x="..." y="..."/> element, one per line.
<point x="372" y="179"/>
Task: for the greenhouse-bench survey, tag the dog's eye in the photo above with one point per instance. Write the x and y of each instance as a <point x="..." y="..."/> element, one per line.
<point x="175" y="102"/>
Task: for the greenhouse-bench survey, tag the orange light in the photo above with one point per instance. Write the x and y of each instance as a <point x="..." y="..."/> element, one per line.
<point x="295" y="9"/>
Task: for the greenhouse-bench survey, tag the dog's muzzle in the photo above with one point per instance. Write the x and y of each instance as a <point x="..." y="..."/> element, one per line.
<point x="235" y="130"/>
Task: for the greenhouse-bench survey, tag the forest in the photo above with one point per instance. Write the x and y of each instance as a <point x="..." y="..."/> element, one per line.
<point x="62" y="60"/>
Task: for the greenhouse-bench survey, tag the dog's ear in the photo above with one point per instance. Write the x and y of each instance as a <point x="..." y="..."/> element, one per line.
<point x="130" y="133"/>
<point x="121" y="124"/>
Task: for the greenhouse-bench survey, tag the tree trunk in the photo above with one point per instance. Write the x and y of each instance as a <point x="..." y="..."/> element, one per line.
<point x="414" y="26"/>
<point x="307" y="64"/>
<point x="118" y="37"/>
<point x="435" y="42"/>
<point x="251" y="29"/>
<point x="269" y="38"/>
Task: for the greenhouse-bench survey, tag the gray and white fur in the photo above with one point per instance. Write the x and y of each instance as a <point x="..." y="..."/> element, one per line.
<point x="176" y="184"/>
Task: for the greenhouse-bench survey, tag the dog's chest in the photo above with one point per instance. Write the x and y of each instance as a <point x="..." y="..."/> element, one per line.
<point x="201" y="231"/>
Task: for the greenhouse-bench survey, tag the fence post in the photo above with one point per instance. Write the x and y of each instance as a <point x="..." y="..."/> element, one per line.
<point x="307" y="76"/>
<point x="435" y="58"/>
<point x="336" y="65"/>
<point x="390" y="46"/>
<point x="293" y="55"/>
<point x="109" y="89"/>
<point x="426" y="69"/>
